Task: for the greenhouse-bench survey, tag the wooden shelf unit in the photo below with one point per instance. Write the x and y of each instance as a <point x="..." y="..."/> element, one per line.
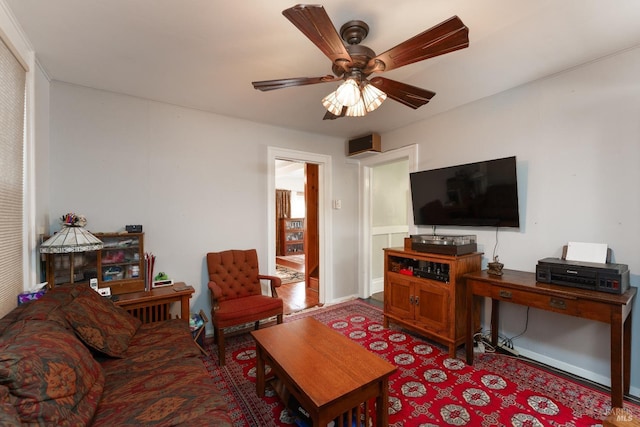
<point x="118" y="265"/>
<point x="433" y="306"/>
<point x="292" y="236"/>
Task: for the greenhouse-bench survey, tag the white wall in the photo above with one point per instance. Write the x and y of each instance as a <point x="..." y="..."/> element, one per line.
<point x="196" y="181"/>
<point x="576" y="136"/>
<point x="41" y="160"/>
<point x="390" y="192"/>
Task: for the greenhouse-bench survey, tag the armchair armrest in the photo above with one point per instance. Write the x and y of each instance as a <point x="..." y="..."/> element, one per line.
<point x="274" y="283"/>
<point x="216" y="292"/>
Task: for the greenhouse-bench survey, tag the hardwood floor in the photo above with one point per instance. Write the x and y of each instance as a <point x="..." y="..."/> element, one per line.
<point x="297" y="297"/>
<point x="292" y="261"/>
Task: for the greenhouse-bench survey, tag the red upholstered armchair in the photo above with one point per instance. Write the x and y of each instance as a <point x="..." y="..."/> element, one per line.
<point x="236" y="293"/>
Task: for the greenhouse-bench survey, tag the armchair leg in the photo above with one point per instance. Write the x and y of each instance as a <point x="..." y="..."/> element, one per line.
<point x="279" y="318"/>
<point x="257" y="325"/>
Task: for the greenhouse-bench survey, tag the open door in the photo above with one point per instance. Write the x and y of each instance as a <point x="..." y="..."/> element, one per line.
<point x="312" y="237"/>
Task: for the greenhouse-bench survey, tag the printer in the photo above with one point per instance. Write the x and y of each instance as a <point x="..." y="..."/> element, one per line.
<point x="604" y="277"/>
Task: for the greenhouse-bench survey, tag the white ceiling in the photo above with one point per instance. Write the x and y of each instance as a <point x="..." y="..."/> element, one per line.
<point x="204" y="54"/>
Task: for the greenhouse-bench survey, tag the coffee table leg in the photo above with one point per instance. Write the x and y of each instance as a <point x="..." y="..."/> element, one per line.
<point x="259" y="372"/>
<point x="382" y="404"/>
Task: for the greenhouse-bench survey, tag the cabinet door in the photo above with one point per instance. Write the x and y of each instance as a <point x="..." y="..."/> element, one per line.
<point x="398" y="296"/>
<point x="433" y="305"/>
<point x="121" y="258"/>
<point x="61" y="267"/>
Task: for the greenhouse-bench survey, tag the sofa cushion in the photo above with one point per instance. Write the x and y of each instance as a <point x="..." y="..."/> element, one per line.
<point x="245" y="310"/>
<point x="172" y="392"/>
<point x="52" y="377"/>
<point x="167" y="340"/>
<point x="8" y="413"/>
<point x="102" y="325"/>
<point x="48" y="306"/>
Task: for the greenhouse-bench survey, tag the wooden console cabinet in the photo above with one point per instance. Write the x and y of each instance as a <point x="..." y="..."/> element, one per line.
<point x="433" y="305"/>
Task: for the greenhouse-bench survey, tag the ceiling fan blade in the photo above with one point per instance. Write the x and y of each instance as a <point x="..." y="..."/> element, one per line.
<point x="445" y="37"/>
<point x="314" y="23"/>
<point x="411" y="96"/>
<point x="267" y="85"/>
<point x="330" y="116"/>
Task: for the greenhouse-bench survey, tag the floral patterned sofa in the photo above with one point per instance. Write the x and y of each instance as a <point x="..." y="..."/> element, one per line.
<point x="74" y="358"/>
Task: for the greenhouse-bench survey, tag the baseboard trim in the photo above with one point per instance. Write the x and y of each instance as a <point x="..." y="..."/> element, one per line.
<point x="377" y="285"/>
<point x="601" y="380"/>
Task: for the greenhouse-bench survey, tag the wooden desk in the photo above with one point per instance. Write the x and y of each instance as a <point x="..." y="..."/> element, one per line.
<point x="153" y="306"/>
<point x="329" y="374"/>
<point x="520" y="287"/>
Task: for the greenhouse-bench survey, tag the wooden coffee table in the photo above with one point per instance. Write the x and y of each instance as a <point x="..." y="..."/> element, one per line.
<point x="329" y="374"/>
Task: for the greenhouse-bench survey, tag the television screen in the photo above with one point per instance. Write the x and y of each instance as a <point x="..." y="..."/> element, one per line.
<point x="474" y="194"/>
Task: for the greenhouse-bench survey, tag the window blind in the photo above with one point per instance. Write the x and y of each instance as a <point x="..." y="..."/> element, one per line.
<point x="12" y="113"/>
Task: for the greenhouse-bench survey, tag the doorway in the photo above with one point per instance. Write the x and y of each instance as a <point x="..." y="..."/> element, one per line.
<point x="315" y="243"/>
<point x="296" y="233"/>
<point x="390" y="196"/>
<point x="374" y="236"/>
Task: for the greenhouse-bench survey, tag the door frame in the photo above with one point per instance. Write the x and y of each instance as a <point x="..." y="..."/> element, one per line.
<point x="324" y="205"/>
<point x="410" y="152"/>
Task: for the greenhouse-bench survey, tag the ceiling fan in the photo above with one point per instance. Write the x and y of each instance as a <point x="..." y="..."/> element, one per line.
<point x="353" y="63"/>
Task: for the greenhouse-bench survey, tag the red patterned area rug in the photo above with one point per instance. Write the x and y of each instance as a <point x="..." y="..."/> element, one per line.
<point x="429" y="388"/>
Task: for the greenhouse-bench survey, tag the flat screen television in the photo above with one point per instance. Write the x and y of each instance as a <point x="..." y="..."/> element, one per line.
<point x="474" y="194"/>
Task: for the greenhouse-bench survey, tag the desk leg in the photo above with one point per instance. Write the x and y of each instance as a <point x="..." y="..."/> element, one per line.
<point x="627" y="352"/>
<point x="382" y="403"/>
<point x="495" y="321"/>
<point x="260" y="382"/>
<point x="184" y="307"/>
<point x="469" y="339"/>
<point x="618" y="351"/>
<point x="620" y="356"/>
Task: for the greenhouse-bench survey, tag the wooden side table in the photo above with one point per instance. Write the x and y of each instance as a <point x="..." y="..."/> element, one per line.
<point x="154" y="306"/>
<point x="519" y="287"/>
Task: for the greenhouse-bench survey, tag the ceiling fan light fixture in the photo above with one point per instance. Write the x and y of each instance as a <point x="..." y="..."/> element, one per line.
<point x="357" y="110"/>
<point x="372" y="97"/>
<point x="348" y="93"/>
<point x="332" y="105"/>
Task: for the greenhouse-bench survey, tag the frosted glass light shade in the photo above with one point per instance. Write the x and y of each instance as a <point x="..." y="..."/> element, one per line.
<point x="373" y="97"/>
<point x="357" y="110"/>
<point x="71" y="239"/>
<point x="348" y="93"/>
<point x="332" y="105"/>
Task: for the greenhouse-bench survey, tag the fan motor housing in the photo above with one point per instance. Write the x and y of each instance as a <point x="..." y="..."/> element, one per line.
<point x="353" y="32"/>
